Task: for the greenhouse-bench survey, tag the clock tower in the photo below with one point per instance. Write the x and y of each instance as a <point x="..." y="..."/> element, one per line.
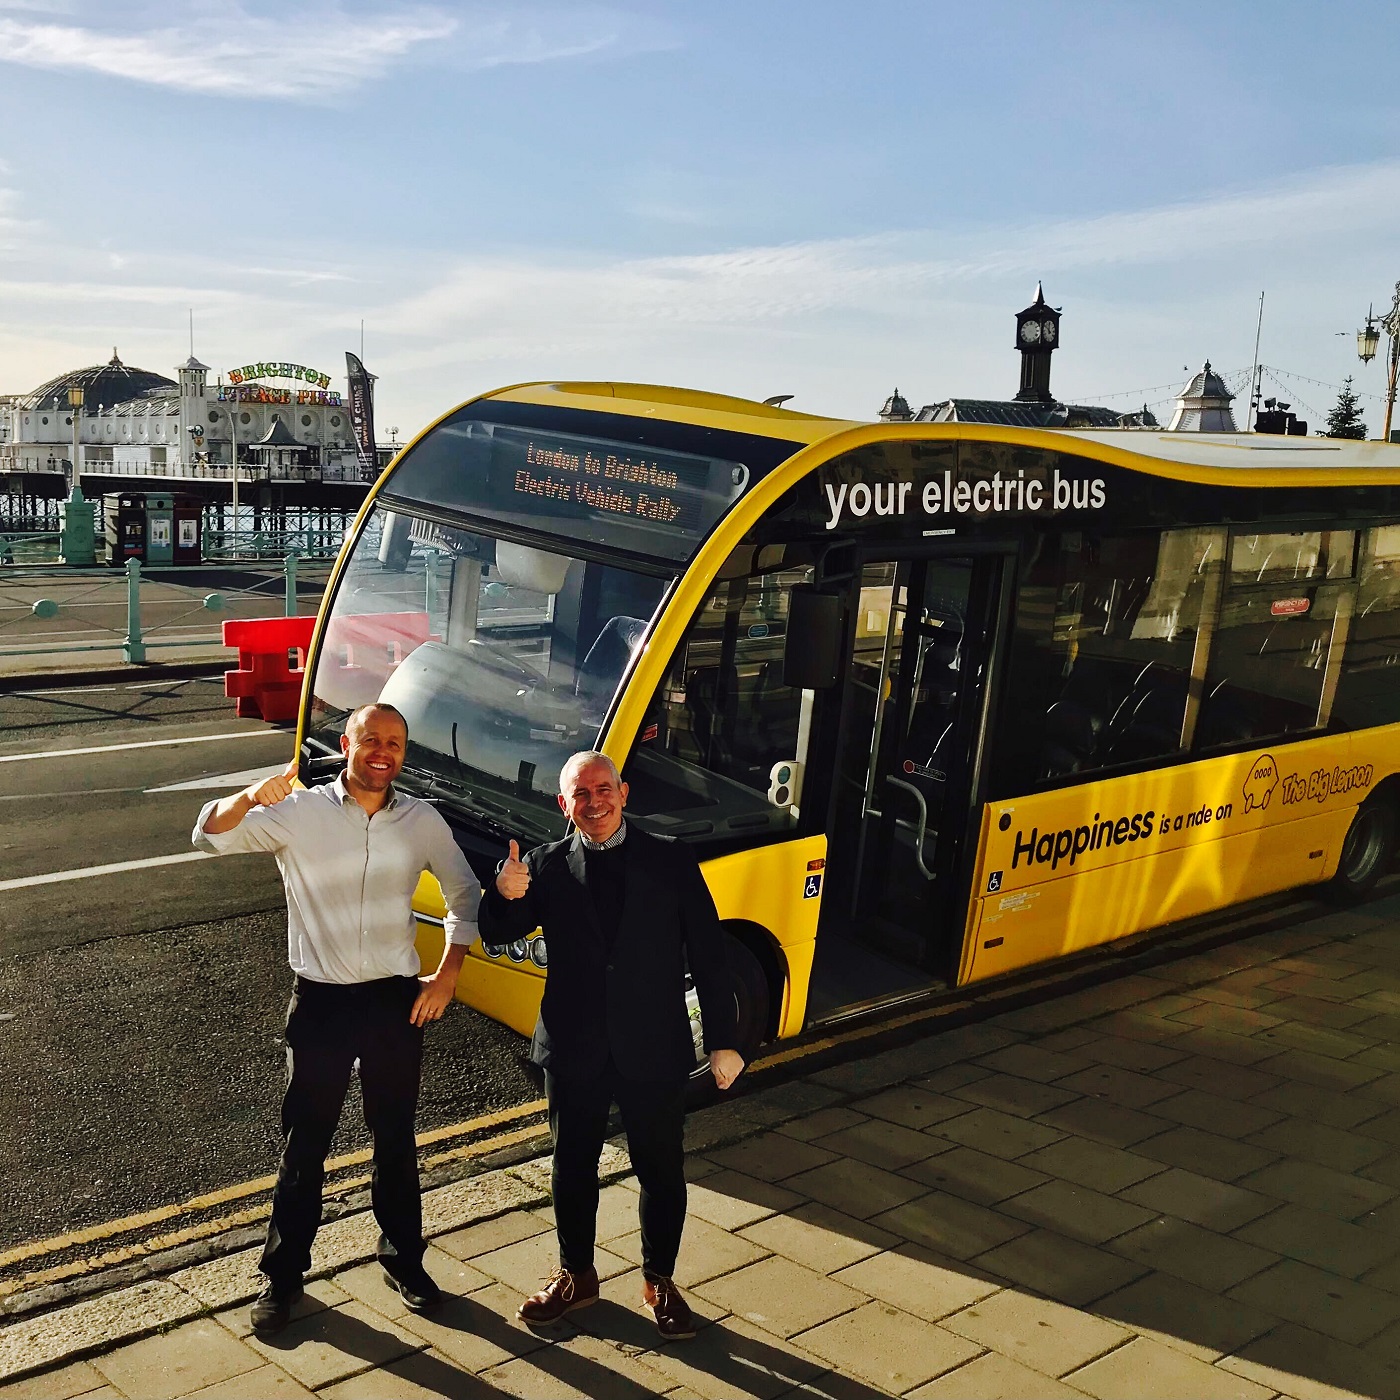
<point x="1037" y="338"/>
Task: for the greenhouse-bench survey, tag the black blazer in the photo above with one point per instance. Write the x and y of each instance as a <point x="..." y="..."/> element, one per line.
<point x="628" y="1001"/>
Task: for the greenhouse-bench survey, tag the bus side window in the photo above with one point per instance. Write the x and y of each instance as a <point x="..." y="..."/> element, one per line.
<point x="1368" y="688"/>
<point x="722" y="719"/>
<point x="1288" y="596"/>
<point x="1101" y="654"/>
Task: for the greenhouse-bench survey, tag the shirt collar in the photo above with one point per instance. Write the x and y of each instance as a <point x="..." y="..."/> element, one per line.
<point x="342" y="794"/>
<point x="611" y="844"/>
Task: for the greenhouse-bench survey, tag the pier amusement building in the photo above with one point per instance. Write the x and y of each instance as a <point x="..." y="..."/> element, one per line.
<point x="288" y="426"/>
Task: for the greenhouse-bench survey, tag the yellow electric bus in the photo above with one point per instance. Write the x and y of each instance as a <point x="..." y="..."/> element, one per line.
<point x="931" y="702"/>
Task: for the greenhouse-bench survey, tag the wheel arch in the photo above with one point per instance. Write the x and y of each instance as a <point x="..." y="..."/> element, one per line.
<point x="764" y="947"/>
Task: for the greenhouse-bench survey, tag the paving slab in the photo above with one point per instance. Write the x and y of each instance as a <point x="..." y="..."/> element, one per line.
<point x="421" y="1376"/>
<point x="1306" y="1365"/>
<point x="335" y="1343"/>
<point x="1178" y="1314"/>
<point x="734" y="1360"/>
<point x="1203" y="1257"/>
<point x="1077" y="1211"/>
<point x="887" y="1347"/>
<point x="1323" y="1188"/>
<point x="818" y="1237"/>
<point x="999" y="1134"/>
<point x="266" y="1383"/>
<point x="1337" y="1307"/>
<point x="706" y="1252"/>
<point x="781" y="1297"/>
<point x="1009" y="1093"/>
<point x="1209" y="1154"/>
<point x="189" y="1357"/>
<point x="1092" y="1164"/>
<point x="1147" y="1370"/>
<point x="65" y="1383"/>
<point x="1108" y="1123"/>
<point x="919" y="1281"/>
<point x="855" y="1188"/>
<point x="1190" y="1196"/>
<point x="1319" y="1238"/>
<point x="883" y="1144"/>
<point x="950" y="1225"/>
<point x="995" y="1377"/>
<point x="975" y="1176"/>
<point x="773" y="1156"/>
<point x="1052" y="1264"/>
<point x="1038" y="1332"/>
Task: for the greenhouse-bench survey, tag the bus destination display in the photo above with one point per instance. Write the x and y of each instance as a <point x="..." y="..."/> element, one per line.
<point x="584" y="478"/>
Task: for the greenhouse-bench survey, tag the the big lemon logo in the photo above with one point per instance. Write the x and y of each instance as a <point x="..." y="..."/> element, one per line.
<point x="1259" y="786"/>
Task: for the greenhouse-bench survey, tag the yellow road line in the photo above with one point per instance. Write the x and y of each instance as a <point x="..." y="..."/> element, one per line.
<point x="228" y="1194"/>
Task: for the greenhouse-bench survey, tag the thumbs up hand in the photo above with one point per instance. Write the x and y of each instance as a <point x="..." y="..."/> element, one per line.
<point x="513" y="878"/>
<point x="272" y="790"/>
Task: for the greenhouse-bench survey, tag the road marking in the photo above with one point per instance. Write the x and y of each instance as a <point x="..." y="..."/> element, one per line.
<point x="243" y="1190"/>
<point x="86" y="872"/>
<point x="141" y="744"/>
<point x="111" y="689"/>
<point x="230" y="782"/>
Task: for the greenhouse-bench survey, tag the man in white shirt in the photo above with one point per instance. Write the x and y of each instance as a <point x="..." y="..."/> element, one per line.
<point x="351" y="853"/>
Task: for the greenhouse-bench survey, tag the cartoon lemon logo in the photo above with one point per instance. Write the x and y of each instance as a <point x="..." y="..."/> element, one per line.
<point x="1259" y="786"/>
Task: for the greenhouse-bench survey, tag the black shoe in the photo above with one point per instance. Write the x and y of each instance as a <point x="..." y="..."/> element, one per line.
<point x="273" y="1308"/>
<point x="419" y="1292"/>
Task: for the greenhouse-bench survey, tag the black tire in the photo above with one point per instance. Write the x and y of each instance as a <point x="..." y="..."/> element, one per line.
<point x="1367" y="851"/>
<point x="751" y="1003"/>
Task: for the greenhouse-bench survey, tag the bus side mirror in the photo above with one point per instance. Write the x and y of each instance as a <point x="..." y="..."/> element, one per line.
<point x="816" y="626"/>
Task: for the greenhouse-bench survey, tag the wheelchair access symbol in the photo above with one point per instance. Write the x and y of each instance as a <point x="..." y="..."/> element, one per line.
<point x="812" y="887"/>
<point x="994" y="882"/>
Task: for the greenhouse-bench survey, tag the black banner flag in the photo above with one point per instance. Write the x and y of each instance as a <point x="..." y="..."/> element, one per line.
<point x="362" y="415"/>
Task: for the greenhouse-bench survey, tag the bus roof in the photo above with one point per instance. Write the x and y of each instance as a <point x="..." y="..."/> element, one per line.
<point x="1233" y="459"/>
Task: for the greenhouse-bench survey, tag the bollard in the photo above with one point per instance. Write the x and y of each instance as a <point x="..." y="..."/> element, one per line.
<point x="289" y="566"/>
<point x="134" y="649"/>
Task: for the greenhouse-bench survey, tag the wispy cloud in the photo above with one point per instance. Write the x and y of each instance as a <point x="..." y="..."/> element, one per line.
<point x="838" y="320"/>
<point x="307" y="53"/>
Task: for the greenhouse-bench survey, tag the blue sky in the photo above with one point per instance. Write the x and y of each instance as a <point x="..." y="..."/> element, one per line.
<point x="813" y="198"/>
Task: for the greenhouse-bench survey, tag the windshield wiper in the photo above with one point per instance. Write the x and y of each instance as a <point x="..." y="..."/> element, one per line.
<point x="499" y="818"/>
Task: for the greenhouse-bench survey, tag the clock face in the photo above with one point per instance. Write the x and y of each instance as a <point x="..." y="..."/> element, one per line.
<point x="1048" y="331"/>
<point x="1030" y="332"/>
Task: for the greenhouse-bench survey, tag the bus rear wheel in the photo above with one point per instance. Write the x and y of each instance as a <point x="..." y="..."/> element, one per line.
<point x="1366" y="852"/>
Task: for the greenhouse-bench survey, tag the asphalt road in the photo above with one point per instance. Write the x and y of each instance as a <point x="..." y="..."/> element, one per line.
<point x="141" y="1010"/>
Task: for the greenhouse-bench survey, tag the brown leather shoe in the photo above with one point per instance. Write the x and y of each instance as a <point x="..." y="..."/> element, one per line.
<point x="663" y="1300"/>
<point x="562" y="1292"/>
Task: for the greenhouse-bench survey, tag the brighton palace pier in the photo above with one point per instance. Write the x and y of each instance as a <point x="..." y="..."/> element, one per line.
<point x="288" y="426"/>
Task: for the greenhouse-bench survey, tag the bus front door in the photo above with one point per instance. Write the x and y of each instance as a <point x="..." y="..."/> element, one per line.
<point x="907" y="759"/>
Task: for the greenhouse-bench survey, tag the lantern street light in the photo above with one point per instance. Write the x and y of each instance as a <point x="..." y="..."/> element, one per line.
<point x="75" y="408"/>
<point x="1368" y="341"/>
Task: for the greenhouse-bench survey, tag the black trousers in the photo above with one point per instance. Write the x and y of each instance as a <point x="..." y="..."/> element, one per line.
<point x="328" y="1028"/>
<point x="653" y="1116"/>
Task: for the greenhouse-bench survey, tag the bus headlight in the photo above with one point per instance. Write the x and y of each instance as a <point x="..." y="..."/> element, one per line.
<point x="539" y="954"/>
<point x="517" y="951"/>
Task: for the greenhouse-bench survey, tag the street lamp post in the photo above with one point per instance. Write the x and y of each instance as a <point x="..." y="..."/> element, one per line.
<point x="1368" y="340"/>
<point x="231" y="406"/>
<point x="76" y="543"/>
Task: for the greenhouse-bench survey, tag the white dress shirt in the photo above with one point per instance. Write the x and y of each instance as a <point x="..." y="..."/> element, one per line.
<point x="350" y="878"/>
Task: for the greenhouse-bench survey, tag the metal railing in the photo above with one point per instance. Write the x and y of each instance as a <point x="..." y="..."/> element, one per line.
<point x="33" y="538"/>
<point x="92" y="610"/>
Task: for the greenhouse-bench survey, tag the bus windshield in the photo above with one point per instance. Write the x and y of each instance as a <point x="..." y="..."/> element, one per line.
<point x="503" y="658"/>
<point x="636" y="488"/>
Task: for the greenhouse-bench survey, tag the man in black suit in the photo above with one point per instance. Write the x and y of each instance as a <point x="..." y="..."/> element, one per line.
<point x="624" y="912"/>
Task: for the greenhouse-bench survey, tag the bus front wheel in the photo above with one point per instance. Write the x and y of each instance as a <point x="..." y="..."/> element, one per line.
<point x="1366" y="851"/>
